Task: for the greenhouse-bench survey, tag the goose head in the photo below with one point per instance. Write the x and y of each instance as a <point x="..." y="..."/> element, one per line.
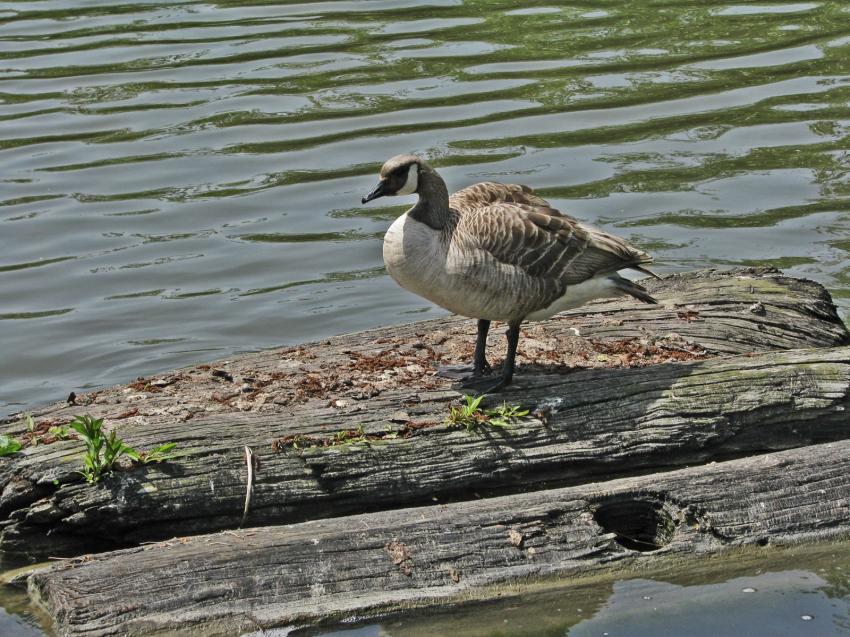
<point x="399" y="176"/>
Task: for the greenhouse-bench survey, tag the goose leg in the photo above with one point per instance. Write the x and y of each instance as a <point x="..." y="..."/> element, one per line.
<point x="484" y="385"/>
<point x="510" y="358"/>
<point x="479" y="364"/>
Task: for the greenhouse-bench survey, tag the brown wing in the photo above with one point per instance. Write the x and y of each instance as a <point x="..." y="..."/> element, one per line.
<point x="488" y="193"/>
<point x="547" y="245"/>
<point x="586" y="251"/>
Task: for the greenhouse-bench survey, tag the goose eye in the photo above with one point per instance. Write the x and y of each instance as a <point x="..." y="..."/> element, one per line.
<point x="408" y="179"/>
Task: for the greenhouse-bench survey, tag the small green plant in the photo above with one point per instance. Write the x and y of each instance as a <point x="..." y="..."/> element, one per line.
<point x="8" y="445"/>
<point x="160" y="454"/>
<point x="102" y="452"/>
<point x="96" y="460"/>
<point x="389" y="433"/>
<point x="349" y="436"/>
<point x="31" y="433"/>
<point x="113" y="449"/>
<point x="505" y="414"/>
<point x="341" y="438"/>
<point x="60" y="432"/>
<point x="36" y="435"/>
<point x="470" y="416"/>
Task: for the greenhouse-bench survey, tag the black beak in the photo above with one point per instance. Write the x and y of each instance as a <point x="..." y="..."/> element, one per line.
<point x="379" y="191"/>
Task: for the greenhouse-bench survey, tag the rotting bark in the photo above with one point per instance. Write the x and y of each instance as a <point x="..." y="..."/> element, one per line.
<point x="376" y="562"/>
<point x="589" y="422"/>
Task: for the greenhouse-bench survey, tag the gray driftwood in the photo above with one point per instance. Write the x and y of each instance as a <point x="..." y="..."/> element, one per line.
<point x="300" y="573"/>
<point x="592" y="416"/>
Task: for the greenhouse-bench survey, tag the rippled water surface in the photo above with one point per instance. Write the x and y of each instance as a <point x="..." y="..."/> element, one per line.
<point x="181" y="180"/>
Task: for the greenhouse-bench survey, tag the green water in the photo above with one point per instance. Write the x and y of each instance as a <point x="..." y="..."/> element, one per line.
<point x="180" y="181"/>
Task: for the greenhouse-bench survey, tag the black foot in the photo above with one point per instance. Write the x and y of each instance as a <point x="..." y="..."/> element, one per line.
<point x="462" y="372"/>
<point x="484" y="384"/>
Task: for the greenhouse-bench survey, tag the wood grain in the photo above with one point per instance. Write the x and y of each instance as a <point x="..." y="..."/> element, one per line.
<point x="639" y="388"/>
<point x="295" y="574"/>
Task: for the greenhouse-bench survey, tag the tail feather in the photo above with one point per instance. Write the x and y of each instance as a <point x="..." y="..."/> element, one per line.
<point x="640" y="268"/>
<point x="633" y="289"/>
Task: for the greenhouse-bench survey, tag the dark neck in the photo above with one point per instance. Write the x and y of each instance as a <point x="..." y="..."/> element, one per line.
<point x="432" y="209"/>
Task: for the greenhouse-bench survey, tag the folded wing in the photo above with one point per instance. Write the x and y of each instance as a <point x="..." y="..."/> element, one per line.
<point x="488" y="193"/>
<point x="541" y="244"/>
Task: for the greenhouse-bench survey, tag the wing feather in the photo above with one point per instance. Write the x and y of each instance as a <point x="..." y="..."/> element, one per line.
<point x="488" y="193"/>
<point x="545" y="245"/>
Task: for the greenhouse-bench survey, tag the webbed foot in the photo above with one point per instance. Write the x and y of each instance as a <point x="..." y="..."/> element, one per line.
<point x="463" y="372"/>
<point x="485" y="384"/>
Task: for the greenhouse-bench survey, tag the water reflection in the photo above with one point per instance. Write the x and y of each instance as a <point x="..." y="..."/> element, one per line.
<point x="749" y="595"/>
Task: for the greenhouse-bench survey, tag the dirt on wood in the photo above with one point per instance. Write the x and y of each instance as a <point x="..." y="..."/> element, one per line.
<point x="357" y="421"/>
<point x="689" y="324"/>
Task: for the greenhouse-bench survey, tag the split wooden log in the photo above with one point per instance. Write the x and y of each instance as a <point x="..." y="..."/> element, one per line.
<point x="271" y="576"/>
<point x="356" y="423"/>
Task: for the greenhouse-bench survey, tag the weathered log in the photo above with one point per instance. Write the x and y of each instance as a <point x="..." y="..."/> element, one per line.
<point x="555" y="607"/>
<point x="305" y="572"/>
<point x="587" y="423"/>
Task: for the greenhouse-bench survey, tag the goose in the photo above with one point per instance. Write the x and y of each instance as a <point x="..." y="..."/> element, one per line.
<point x="497" y="252"/>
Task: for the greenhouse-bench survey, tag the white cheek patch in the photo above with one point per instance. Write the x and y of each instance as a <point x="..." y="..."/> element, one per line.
<point x="412" y="181"/>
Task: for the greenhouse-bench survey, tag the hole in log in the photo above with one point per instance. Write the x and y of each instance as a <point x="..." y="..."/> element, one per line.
<point x="640" y="525"/>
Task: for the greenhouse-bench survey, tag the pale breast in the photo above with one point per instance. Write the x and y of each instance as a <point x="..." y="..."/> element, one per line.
<point x="414" y="257"/>
<point x="464" y="281"/>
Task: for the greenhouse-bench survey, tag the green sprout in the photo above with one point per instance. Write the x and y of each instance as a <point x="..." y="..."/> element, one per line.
<point x="36" y="437"/>
<point x="103" y="452"/>
<point x="33" y="436"/>
<point x="505" y="414"/>
<point x="349" y="436"/>
<point x="8" y="445"/>
<point x="60" y="432"/>
<point x="160" y="454"/>
<point x="467" y="416"/>
<point x="471" y="417"/>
